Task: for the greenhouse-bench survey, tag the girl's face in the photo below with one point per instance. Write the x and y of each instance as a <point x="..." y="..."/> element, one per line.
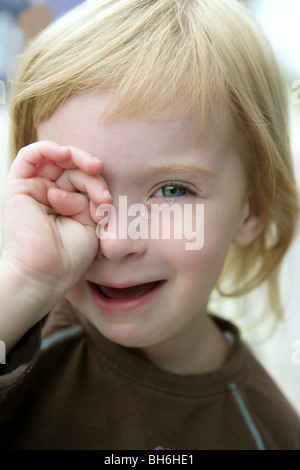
<point x="151" y="293"/>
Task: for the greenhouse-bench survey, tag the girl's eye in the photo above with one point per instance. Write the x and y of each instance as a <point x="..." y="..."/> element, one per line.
<point x="172" y="191"/>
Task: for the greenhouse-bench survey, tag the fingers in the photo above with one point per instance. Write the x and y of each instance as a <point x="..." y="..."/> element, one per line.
<point x="76" y="158"/>
<point x="48" y="160"/>
<point x="65" y="179"/>
<point x="92" y="188"/>
<point x="73" y="205"/>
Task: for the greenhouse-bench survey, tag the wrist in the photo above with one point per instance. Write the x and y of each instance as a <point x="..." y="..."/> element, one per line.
<point x="24" y="301"/>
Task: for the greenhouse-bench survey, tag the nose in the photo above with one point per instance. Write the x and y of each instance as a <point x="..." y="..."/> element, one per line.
<point x="117" y="250"/>
<point x="117" y="239"/>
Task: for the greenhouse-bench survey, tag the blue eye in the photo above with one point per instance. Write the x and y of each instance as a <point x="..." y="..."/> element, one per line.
<point x="172" y="191"/>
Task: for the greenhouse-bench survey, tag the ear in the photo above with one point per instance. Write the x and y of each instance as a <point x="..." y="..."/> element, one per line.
<point x="252" y="223"/>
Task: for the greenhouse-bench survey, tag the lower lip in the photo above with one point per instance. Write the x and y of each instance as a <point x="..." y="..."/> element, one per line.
<point x="123" y="305"/>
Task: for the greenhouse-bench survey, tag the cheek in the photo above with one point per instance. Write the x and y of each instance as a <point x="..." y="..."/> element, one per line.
<point x="205" y="263"/>
<point x="182" y="225"/>
<point x="199" y="259"/>
<point x="199" y="268"/>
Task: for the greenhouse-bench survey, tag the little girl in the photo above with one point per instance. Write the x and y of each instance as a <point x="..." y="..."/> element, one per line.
<point x="110" y="341"/>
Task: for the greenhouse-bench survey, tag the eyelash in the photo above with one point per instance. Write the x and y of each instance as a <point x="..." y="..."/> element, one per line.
<point x="184" y="186"/>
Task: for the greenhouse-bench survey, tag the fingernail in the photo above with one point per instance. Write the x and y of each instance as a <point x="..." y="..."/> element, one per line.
<point x="62" y="193"/>
<point x="107" y="195"/>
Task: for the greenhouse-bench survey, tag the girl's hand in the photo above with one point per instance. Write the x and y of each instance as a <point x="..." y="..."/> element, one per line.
<point x="49" y="205"/>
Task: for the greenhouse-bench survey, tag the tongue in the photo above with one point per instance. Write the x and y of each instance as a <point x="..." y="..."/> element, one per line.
<point x="128" y="292"/>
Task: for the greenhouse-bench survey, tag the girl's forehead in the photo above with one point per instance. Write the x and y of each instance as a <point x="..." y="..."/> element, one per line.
<point x="133" y="143"/>
<point x="87" y="111"/>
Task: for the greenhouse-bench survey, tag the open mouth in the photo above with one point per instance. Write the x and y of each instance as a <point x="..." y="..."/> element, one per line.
<point x="117" y="300"/>
<point x="131" y="292"/>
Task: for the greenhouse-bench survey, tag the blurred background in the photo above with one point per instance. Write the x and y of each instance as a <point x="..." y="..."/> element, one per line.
<point x="21" y="20"/>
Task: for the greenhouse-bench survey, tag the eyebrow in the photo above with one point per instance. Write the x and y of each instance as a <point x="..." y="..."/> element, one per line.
<point x="186" y="168"/>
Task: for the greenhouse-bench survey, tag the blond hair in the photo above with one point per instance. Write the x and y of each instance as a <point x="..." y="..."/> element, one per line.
<point x="168" y="55"/>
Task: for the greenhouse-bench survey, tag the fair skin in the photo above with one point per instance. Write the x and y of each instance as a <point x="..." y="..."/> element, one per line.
<point x="149" y="163"/>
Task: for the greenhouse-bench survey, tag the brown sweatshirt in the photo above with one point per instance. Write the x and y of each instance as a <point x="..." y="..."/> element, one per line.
<point x="78" y="390"/>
